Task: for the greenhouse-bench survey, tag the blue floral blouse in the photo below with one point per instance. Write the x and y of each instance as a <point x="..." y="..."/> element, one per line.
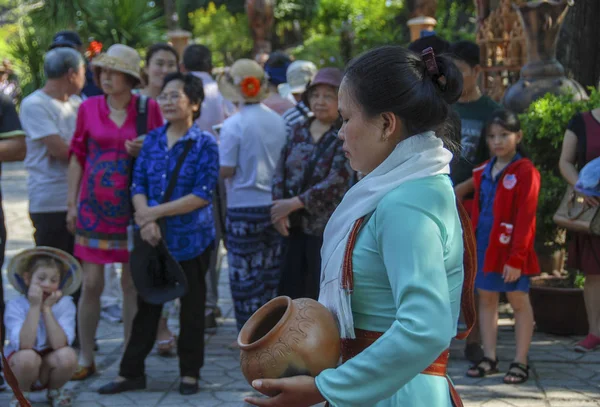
<point x="188" y="235"/>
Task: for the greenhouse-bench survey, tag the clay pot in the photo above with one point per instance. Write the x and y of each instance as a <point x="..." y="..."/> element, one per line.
<point x="287" y="338"/>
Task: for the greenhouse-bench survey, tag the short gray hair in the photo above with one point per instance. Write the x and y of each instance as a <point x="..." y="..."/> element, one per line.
<point x="58" y="61"/>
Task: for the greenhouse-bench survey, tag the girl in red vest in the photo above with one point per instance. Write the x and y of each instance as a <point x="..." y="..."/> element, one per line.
<point x="505" y="203"/>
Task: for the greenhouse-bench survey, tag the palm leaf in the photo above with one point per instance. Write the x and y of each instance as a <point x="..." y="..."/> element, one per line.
<point x="134" y="23"/>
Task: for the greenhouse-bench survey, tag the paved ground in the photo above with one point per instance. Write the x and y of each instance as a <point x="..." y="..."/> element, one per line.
<point x="560" y="377"/>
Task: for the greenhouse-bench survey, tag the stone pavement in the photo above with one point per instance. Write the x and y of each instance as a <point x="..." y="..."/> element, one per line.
<point x="559" y="376"/>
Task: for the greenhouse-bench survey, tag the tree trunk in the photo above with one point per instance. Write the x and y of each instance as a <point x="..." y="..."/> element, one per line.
<point x="170" y="10"/>
<point x="578" y="48"/>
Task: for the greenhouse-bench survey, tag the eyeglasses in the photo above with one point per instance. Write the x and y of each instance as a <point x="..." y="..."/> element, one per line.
<point x="171" y="97"/>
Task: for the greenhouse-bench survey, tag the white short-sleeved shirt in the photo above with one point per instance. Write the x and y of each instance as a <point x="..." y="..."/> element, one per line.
<point x="42" y="116"/>
<point x="251" y="141"/>
<point x="16" y="312"/>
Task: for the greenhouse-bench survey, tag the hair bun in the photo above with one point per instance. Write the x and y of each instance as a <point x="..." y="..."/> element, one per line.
<point x="453" y="86"/>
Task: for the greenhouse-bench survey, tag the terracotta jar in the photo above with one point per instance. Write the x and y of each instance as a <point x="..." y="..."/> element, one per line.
<point x="287" y="338"/>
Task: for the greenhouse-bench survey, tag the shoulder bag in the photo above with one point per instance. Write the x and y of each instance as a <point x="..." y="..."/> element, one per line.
<point x="575" y="215"/>
<point x="157" y="276"/>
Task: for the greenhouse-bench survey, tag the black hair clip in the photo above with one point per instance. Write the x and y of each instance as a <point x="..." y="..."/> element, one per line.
<point x="428" y="57"/>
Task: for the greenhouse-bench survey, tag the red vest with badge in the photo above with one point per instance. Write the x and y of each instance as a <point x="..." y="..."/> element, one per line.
<point x="513" y="231"/>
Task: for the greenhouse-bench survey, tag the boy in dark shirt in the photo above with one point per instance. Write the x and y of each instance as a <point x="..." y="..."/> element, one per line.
<point x="475" y="110"/>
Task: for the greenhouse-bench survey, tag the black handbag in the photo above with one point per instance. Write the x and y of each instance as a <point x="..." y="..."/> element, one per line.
<point x="157" y="276"/>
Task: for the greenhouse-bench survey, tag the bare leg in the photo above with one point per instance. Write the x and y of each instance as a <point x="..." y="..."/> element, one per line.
<point x="26" y="364"/>
<point x="58" y="367"/>
<point x="591" y="294"/>
<point x="89" y="310"/>
<point x="519" y="301"/>
<point x="164" y="334"/>
<point x="488" y="321"/>
<point x="129" y="301"/>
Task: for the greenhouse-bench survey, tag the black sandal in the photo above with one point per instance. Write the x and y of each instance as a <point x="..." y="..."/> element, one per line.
<point x="481" y="370"/>
<point x="521" y="375"/>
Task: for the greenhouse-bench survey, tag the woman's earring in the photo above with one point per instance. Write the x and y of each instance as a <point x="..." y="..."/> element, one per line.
<point x="384" y="137"/>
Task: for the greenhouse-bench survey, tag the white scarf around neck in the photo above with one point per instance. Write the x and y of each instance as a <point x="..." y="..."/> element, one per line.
<point x="419" y="156"/>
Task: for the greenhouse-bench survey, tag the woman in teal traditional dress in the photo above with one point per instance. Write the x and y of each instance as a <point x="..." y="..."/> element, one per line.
<point x="398" y="303"/>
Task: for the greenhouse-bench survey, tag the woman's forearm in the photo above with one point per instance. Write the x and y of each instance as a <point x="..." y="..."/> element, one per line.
<point x="28" y="334"/>
<point x="139" y="202"/>
<point x="568" y="171"/>
<point x="74" y="175"/>
<point x="180" y="206"/>
<point x="56" y="336"/>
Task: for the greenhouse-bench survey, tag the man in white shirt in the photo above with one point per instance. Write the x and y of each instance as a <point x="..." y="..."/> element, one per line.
<point x="48" y="117"/>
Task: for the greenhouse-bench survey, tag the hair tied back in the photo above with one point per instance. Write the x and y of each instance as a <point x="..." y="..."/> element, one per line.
<point x="428" y="57"/>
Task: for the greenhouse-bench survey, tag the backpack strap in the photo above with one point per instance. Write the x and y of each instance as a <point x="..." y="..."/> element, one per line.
<point x="141" y="124"/>
<point x="467" y="303"/>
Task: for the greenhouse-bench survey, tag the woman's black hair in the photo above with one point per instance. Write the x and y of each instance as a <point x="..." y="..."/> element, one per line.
<point x="466" y="51"/>
<point x="507" y="120"/>
<point x="153" y="49"/>
<point x="160" y="46"/>
<point x="192" y="87"/>
<point x="394" y="79"/>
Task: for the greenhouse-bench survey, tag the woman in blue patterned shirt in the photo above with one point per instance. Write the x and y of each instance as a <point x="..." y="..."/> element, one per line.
<point x="189" y="229"/>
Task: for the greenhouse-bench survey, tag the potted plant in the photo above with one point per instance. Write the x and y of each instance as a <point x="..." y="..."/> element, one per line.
<point x="556" y="295"/>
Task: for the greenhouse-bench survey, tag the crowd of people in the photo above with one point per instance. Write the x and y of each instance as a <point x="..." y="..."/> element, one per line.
<point x="320" y="183"/>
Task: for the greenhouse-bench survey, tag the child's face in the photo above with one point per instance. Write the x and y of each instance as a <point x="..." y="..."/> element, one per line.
<point x="48" y="278"/>
<point x="501" y="142"/>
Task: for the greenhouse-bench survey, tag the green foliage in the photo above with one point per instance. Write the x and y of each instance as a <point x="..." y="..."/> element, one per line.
<point x="544" y="125"/>
<point x="55" y="13"/>
<point x="456" y="20"/>
<point x="323" y="50"/>
<point x="227" y="35"/>
<point x="28" y="47"/>
<point x="579" y="280"/>
<point x="134" y="23"/>
<point x="301" y="10"/>
<point x="372" y="23"/>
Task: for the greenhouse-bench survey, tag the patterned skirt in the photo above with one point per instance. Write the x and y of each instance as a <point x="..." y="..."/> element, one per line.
<point x="253" y="253"/>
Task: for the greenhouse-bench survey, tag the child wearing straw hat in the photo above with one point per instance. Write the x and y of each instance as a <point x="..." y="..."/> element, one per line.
<point x="40" y="324"/>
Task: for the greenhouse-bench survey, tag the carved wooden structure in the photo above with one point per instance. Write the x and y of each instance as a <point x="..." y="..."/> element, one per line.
<point x="260" y="19"/>
<point x="503" y="47"/>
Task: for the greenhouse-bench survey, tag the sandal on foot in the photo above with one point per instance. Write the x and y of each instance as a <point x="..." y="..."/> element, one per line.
<point x="83" y="372"/>
<point x="482" y="368"/>
<point x="60" y="397"/>
<point x="165" y="348"/>
<point x="517" y="373"/>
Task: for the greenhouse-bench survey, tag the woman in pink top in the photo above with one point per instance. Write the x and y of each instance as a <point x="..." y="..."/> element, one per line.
<point x="99" y="209"/>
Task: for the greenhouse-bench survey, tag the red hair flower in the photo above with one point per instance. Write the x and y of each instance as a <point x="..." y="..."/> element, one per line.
<point x="250" y="86"/>
<point x="94" y="48"/>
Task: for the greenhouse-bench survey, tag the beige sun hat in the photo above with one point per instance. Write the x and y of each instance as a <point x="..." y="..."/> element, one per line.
<point x="120" y="58"/>
<point x="246" y="81"/>
<point x="70" y="273"/>
<point x="299" y="74"/>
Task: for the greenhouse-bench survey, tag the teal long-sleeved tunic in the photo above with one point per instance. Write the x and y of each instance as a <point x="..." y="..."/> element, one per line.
<point x="408" y="275"/>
